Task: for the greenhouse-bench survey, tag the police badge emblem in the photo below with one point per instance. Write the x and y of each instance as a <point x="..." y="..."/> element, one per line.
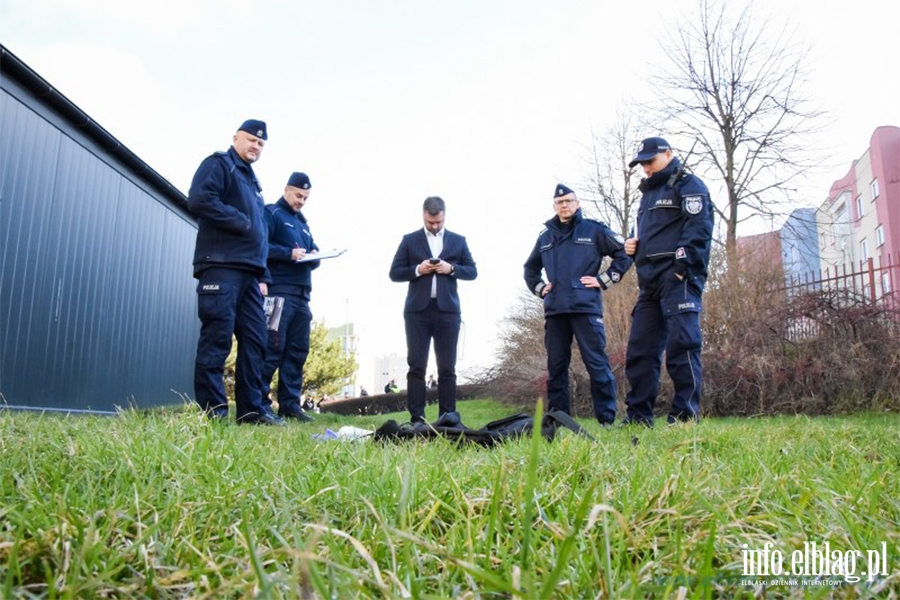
<point x="693" y="204"/>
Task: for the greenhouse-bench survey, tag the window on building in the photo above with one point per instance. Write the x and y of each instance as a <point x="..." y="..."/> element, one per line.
<point x="864" y="250"/>
<point x="874" y="188"/>
<point x="859" y="207"/>
<point x="840" y="215"/>
<point x="885" y="283"/>
<point x="879" y="236"/>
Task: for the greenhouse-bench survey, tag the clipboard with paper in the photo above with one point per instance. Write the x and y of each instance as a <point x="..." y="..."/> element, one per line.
<point x="333" y="253"/>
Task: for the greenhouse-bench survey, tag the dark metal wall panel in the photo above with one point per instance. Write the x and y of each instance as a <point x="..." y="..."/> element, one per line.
<point x="25" y="156"/>
<point x="97" y="302"/>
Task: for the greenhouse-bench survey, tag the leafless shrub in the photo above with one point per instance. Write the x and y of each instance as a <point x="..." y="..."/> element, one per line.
<point x="821" y="352"/>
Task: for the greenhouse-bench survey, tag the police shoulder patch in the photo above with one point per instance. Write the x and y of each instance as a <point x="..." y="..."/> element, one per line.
<point x="693" y="204"/>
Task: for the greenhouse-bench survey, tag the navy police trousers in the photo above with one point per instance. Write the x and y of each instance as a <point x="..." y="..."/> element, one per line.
<point x="229" y="302"/>
<point x="666" y="318"/>
<point x="287" y="352"/>
<point x="591" y="337"/>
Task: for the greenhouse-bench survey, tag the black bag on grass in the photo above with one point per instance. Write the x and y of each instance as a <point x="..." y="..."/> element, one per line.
<point x="490" y="435"/>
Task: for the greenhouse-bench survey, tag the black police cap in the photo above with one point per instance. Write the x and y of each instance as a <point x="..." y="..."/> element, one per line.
<point x="299" y="180"/>
<point x="255" y="127"/>
<point x="650" y="147"/>
<point x="561" y="190"/>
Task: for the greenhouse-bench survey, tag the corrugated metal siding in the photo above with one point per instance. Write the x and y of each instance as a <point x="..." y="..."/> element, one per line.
<point x="97" y="300"/>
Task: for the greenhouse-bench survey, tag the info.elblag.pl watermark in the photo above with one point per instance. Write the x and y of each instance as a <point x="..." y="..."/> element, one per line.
<point x="812" y="563"/>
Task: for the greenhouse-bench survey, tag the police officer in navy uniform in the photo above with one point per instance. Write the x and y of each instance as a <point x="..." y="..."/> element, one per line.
<point x="570" y="251"/>
<point x="230" y="264"/>
<point x="290" y="242"/>
<point x="671" y="252"/>
<point x="432" y="260"/>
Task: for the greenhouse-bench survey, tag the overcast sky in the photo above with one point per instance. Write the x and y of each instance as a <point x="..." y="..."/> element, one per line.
<point x="486" y="103"/>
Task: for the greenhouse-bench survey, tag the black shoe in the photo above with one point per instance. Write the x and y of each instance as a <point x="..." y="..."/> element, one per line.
<point x="218" y="413"/>
<point x="680" y="420"/>
<point x="449" y="419"/>
<point x="262" y="419"/>
<point x="295" y="413"/>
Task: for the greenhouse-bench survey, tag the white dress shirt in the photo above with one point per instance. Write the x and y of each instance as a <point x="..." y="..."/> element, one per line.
<point x="436" y="244"/>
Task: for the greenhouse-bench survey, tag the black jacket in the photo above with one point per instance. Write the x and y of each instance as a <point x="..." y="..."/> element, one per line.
<point x="413" y="250"/>
<point x="569" y="251"/>
<point x="225" y="197"/>
<point x="674" y="227"/>
<point x="288" y="230"/>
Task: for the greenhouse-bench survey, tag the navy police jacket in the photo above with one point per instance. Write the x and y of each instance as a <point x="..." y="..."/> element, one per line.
<point x="225" y="197"/>
<point x="288" y="230"/>
<point x="569" y="251"/>
<point x="674" y="228"/>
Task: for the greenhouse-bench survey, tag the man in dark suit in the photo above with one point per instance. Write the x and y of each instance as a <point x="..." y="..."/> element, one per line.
<point x="432" y="260"/>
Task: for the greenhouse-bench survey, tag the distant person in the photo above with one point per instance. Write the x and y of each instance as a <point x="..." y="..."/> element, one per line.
<point x="230" y="264"/>
<point x="363" y="391"/>
<point x="571" y="251"/>
<point x="391" y="387"/>
<point x="432" y="382"/>
<point x="671" y="248"/>
<point x="432" y="259"/>
<point x="290" y="242"/>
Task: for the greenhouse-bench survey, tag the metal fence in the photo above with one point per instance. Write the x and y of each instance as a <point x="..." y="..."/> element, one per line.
<point x="871" y="281"/>
<point x="840" y="294"/>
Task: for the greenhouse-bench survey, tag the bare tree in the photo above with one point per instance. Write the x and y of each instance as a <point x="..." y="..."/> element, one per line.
<point x="737" y="89"/>
<point x="610" y="186"/>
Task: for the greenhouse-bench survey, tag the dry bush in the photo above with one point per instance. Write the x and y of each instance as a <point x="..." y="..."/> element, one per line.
<point x="820" y="352"/>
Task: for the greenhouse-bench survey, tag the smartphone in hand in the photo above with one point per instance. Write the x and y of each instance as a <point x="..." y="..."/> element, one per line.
<point x="434" y="261"/>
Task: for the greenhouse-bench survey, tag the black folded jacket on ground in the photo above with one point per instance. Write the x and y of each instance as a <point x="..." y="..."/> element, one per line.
<point x="495" y="432"/>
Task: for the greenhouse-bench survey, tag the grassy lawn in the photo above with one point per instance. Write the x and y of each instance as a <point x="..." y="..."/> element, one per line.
<point x="165" y="504"/>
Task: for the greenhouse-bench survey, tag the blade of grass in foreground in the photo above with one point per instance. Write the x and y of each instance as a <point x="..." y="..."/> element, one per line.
<point x="568" y="544"/>
<point x="264" y="584"/>
<point x="530" y="484"/>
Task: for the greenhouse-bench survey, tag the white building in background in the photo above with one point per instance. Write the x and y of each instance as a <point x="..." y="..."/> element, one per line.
<point x="349" y="345"/>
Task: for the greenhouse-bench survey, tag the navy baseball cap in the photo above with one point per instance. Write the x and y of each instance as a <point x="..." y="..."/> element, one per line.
<point x="255" y="127"/>
<point x="561" y="190"/>
<point x="649" y="148"/>
<point x="299" y="180"/>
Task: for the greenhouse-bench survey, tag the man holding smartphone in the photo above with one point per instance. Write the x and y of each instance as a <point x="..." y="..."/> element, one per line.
<point x="432" y="260"/>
